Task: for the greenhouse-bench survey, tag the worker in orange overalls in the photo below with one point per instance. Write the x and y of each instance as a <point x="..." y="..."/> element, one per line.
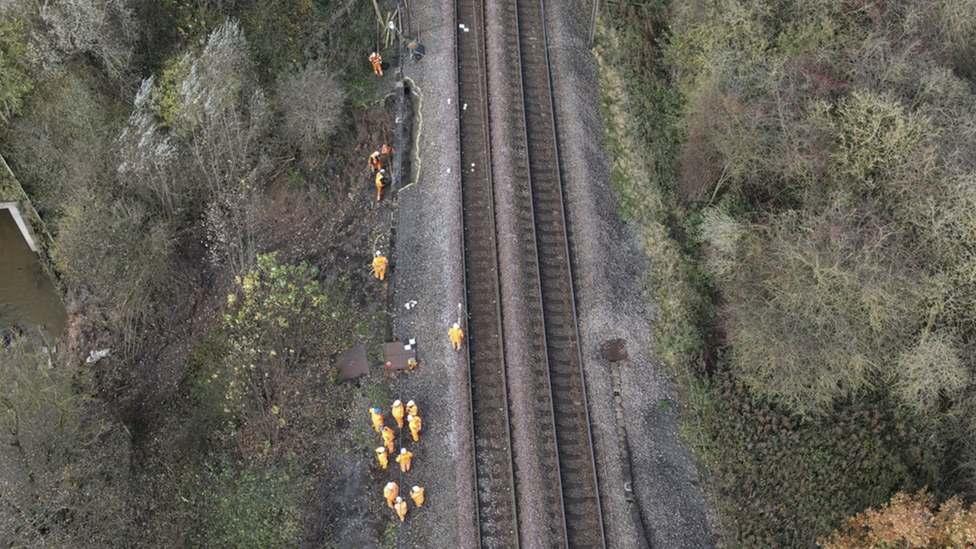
<point x="456" y="334"/>
<point x="390" y="492"/>
<point x="401" y="508"/>
<point x="376" y="415"/>
<point x="374" y="162"/>
<point x="379" y="266"/>
<point x="380" y="181"/>
<point x="417" y="495"/>
<point x="381" y="456"/>
<point x="377" y="61"/>
<point x="398" y="413"/>
<point x="404" y="459"/>
<point x="412" y="409"/>
<point x="388" y="437"/>
<point x="415" y="424"/>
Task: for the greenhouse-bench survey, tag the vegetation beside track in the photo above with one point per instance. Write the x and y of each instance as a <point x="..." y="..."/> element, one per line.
<point x="165" y="144"/>
<point x="800" y="176"/>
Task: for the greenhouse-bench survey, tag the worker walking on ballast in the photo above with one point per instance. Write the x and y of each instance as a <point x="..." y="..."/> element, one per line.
<point x="377" y="61"/>
<point x="380" y="181"/>
<point x="415" y="424"/>
<point x="404" y="459"/>
<point x="379" y="267"/>
<point x="417" y="495"/>
<point x="398" y="412"/>
<point x="390" y="492"/>
<point x="412" y="409"/>
<point x="374" y="162"/>
<point x="456" y="334"/>
<point x="381" y="456"/>
<point x="401" y="508"/>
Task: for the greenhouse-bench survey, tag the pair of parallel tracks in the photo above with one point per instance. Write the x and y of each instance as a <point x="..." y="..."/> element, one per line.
<point x="560" y="390"/>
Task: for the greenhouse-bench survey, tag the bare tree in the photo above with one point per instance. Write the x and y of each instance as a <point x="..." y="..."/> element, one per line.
<point x="310" y="102"/>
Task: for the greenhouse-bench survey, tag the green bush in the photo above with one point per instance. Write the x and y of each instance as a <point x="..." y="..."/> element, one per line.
<point x="248" y="507"/>
<point x="280" y="327"/>
<point x="783" y="481"/>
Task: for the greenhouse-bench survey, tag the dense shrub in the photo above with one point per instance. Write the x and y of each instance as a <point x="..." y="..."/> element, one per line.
<point x="253" y="507"/>
<point x="784" y="482"/>
<point x="65" y="465"/>
<point x="280" y="327"/>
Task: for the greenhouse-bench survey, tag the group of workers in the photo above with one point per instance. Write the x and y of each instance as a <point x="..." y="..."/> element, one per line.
<point x="412" y="414"/>
<point x="399" y="412"/>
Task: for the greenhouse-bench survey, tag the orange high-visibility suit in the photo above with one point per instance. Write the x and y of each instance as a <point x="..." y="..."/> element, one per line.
<point x="388" y="437"/>
<point x="412" y="409"/>
<point x="390" y="492"/>
<point x="381" y="456"/>
<point x="377" y="61"/>
<point x="376" y="415"/>
<point x="417" y="495"/>
<point x="380" y="183"/>
<point x="379" y="266"/>
<point x="398" y="413"/>
<point x="456" y="334"/>
<point x="374" y="162"/>
<point x="404" y="459"/>
<point x="415" y="425"/>
<point x="401" y="508"/>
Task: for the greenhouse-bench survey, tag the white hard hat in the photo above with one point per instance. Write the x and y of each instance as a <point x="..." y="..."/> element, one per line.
<point x="415" y="489"/>
<point x="403" y="450"/>
<point x="410" y="403"/>
<point x="382" y="171"/>
<point x="397" y="401"/>
<point x="390" y="484"/>
<point x="399" y="499"/>
<point x="456" y="325"/>
<point x="379" y="252"/>
<point x="377" y="153"/>
<point x="409" y="417"/>
<point x="380" y="450"/>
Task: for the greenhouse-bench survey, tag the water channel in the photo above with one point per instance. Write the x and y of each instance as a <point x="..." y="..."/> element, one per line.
<point x="29" y="302"/>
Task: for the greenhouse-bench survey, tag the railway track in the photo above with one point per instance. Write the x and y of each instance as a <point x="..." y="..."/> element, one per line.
<point x="494" y="464"/>
<point x="583" y="515"/>
<point x="566" y="486"/>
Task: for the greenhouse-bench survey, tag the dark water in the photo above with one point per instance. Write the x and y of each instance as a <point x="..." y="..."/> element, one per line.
<point x="28" y="299"/>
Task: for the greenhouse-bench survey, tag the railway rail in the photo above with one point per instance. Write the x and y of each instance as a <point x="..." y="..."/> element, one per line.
<point x="569" y="482"/>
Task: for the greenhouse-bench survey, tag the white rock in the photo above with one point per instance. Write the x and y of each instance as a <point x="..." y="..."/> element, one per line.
<point x="95" y="356"/>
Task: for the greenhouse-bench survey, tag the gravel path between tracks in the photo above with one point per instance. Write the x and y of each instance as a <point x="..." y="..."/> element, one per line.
<point x="427" y="267"/>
